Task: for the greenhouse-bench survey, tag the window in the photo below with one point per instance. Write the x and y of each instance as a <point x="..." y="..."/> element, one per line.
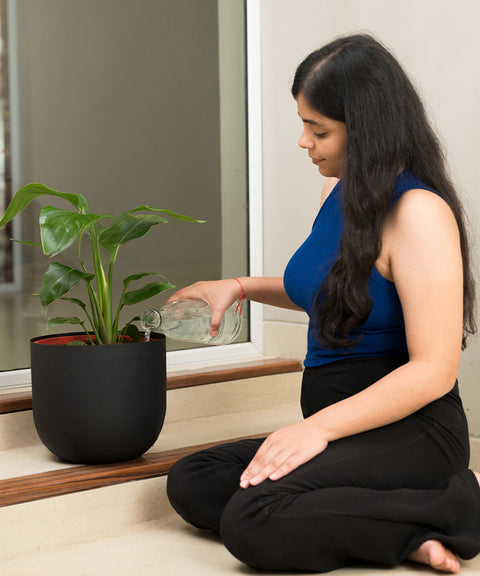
<point x="131" y="103"/>
<point x="6" y="274"/>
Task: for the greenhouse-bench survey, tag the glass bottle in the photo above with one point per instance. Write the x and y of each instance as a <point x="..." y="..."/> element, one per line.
<point x="189" y="321"/>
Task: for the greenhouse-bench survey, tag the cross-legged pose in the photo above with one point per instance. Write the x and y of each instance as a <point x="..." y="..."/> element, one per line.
<point x="377" y="470"/>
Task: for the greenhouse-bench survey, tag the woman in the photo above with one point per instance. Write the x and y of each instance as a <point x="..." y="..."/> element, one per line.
<point x="378" y="469"/>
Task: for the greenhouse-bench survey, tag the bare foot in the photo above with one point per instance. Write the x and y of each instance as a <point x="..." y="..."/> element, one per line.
<point x="433" y="553"/>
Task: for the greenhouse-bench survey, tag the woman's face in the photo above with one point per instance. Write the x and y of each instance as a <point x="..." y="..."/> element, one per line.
<point x="324" y="139"/>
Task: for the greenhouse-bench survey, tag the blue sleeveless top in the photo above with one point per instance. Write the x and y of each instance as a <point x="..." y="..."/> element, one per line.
<point x="384" y="330"/>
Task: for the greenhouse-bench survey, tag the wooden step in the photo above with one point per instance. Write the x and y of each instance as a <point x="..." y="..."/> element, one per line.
<point x="79" y="478"/>
<point x="21" y="401"/>
<point x="55" y="482"/>
<point x="19" y="489"/>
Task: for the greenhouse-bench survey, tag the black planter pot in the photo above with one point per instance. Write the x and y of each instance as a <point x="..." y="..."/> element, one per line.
<point x="98" y="404"/>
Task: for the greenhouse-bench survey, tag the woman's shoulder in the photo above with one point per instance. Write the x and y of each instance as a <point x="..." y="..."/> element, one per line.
<point x="420" y="221"/>
<point x="408" y="181"/>
<point x="415" y="201"/>
<point x="417" y="205"/>
<point x="419" y="214"/>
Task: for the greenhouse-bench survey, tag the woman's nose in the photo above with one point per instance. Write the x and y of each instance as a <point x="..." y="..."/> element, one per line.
<point x="305" y="141"/>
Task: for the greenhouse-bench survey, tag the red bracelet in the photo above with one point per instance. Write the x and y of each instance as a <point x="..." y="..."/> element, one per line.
<point x="238" y="310"/>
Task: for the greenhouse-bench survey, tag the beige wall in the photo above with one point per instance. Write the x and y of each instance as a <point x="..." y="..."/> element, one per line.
<point x="438" y="43"/>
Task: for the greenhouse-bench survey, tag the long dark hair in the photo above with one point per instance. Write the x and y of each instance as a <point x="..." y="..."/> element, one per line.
<point x="354" y="79"/>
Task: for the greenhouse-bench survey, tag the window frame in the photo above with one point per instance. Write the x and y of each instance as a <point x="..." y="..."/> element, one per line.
<point x="200" y="357"/>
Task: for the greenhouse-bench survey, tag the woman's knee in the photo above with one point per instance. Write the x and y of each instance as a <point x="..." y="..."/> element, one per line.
<point x="248" y="532"/>
<point x="256" y="530"/>
<point x="199" y="486"/>
<point x="178" y="481"/>
<point x="238" y="529"/>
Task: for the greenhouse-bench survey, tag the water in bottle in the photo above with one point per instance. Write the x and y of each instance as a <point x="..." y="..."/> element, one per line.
<point x="189" y="321"/>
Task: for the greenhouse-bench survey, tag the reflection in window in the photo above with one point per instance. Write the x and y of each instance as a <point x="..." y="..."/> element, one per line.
<point x="131" y="103"/>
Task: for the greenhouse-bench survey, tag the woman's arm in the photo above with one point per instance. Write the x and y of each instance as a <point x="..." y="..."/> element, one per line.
<point x="220" y="294"/>
<point x="422" y="250"/>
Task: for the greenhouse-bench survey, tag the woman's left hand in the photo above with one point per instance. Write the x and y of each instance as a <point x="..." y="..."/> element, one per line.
<point x="283" y="451"/>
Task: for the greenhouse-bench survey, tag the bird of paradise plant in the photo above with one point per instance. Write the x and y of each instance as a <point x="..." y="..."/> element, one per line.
<point x="60" y="228"/>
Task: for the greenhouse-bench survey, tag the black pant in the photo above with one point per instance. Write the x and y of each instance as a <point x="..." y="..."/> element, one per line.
<point x="375" y="496"/>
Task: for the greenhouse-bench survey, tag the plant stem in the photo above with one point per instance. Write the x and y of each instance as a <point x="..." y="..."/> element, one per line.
<point x="104" y="305"/>
<point x="82" y="324"/>
<point x="95" y="307"/>
<point x="94" y="318"/>
<point x="112" y="324"/>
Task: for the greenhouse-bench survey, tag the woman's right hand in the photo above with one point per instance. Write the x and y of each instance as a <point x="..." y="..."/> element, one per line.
<point x="219" y="295"/>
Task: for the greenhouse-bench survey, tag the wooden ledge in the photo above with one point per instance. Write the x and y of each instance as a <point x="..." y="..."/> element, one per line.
<point x="228" y="372"/>
<point x="15" y="402"/>
<point x="80" y="478"/>
<point x="20" y="401"/>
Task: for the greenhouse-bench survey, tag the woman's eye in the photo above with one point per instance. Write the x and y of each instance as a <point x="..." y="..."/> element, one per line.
<point x="320" y="135"/>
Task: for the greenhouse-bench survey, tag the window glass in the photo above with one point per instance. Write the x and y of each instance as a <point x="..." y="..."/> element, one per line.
<point x="5" y="178"/>
<point x="128" y="103"/>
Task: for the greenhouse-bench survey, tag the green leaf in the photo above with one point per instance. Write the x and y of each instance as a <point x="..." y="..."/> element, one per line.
<point x="148" y="291"/>
<point x="31" y="191"/>
<point x="141" y="275"/>
<point x="128" y="227"/>
<point x="76" y="301"/>
<point x="168" y="213"/>
<point x="133" y="332"/>
<point x="26" y="242"/>
<point x="58" y="280"/>
<point x="63" y="320"/>
<point x="60" y="228"/>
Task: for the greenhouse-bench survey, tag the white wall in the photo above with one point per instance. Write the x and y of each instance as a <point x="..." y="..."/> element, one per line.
<point x="437" y="41"/>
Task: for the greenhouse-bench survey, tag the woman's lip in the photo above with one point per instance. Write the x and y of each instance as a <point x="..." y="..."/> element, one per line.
<point x="316" y="161"/>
